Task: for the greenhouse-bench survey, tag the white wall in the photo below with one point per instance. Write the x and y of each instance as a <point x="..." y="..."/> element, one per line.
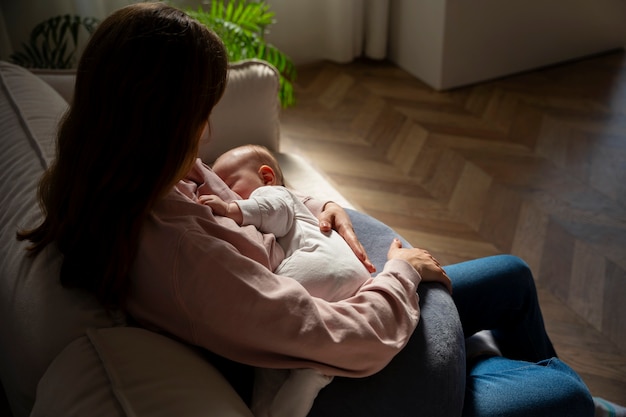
<point x="450" y="43"/>
<point x="485" y="39"/>
<point x="313" y="30"/>
<point x="301" y="21"/>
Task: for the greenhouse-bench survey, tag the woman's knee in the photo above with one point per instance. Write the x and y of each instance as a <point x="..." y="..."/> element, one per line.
<point x="503" y="387"/>
<point x="512" y="266"/>
<point x="509" y="270"/>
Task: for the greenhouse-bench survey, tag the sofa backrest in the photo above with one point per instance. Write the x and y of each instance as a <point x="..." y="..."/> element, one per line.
<point x="247" y="113"/>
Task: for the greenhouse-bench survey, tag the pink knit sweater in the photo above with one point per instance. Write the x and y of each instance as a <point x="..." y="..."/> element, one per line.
<point x="208" y="281"/>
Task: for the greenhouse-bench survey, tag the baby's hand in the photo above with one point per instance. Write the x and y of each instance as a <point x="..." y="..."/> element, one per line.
<point x="219" y="206"/>
<point x="222" y="208"/>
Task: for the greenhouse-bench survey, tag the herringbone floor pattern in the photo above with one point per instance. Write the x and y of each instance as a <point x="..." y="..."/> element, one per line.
<point x="533" y="165"/>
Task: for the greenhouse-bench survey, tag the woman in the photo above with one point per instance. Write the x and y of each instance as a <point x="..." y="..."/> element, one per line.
<point x="120" y="201"/>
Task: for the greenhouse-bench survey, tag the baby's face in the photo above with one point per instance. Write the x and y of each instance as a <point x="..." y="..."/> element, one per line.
<point x="241" y="179"/>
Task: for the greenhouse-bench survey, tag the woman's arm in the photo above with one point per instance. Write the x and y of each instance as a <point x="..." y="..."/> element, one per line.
<point x="266" y="320"/>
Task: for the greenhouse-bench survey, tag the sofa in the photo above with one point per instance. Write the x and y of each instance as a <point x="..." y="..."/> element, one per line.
<point x="61" y="354"/>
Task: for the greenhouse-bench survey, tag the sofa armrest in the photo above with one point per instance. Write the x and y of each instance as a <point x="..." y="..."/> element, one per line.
<point x="127" y="371"/>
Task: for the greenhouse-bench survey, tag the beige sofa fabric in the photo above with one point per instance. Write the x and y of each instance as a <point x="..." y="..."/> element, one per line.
<point x="61" y="80"/>
<point x="39" y="317"/>
<point x="248" y="111"/>
<point x="129" y="371"/>
<point x="76" y="384"/>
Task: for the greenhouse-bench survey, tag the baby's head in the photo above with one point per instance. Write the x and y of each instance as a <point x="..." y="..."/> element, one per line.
<point x="248" y="167"/>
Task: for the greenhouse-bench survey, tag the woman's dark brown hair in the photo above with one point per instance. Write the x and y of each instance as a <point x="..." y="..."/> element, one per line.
<point x="145" y="86"/>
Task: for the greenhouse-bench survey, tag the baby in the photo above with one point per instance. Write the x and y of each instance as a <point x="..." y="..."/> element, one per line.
<point x="323" y="263"/>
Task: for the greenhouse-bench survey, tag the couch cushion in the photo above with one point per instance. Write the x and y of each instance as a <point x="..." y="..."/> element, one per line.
<point x="247" y="113"/>
<point x="39" y="316"/>
<point x="128" y="371"/>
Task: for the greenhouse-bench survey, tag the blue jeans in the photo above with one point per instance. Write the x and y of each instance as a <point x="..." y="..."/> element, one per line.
<point x="503" y="387"/>
<point x="498" y="293"/>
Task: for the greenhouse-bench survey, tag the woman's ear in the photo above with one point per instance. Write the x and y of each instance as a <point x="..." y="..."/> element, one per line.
<point x="267" y="175"/>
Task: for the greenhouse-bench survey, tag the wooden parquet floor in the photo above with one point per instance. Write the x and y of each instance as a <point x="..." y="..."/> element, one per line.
<point x="533" y="164"/>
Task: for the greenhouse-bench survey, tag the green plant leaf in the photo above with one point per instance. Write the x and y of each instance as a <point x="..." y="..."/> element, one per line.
<point x="90" y="24"/>
<point x="74" y="28"/>
<point x="242" y="26"/>
<point x="53" y="42"/>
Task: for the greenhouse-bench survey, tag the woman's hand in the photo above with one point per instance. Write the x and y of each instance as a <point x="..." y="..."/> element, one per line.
<point x="423" y="262"/>
<point x="335" y="217"/>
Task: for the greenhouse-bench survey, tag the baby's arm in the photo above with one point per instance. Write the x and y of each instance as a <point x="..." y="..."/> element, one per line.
<point x="222" y="208"/>
<point x="270" y="209"/>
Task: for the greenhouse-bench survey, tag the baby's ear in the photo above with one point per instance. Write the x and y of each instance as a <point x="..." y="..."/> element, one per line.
<point x="267" y="175"/>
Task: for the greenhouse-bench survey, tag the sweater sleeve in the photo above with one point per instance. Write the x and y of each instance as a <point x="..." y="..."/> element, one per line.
<point x="227" y="303"/>
<point x="266" y="320"/>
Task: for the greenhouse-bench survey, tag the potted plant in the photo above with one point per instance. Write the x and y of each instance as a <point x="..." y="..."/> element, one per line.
<point x="242" y="25"/>
<point x="53" y="42"/>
